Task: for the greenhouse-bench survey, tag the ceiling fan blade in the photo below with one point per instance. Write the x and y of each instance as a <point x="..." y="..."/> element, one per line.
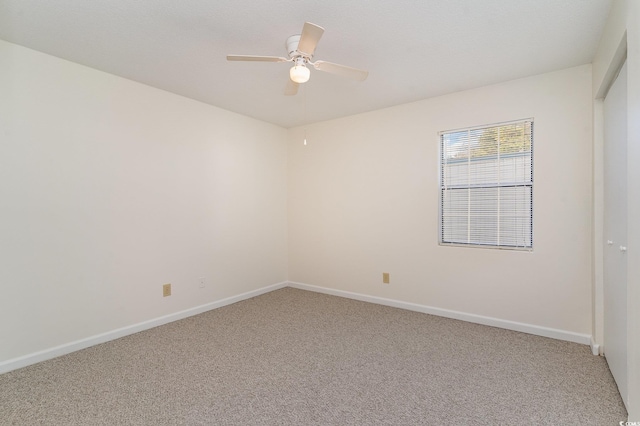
<point x="309" y="38"/>
<point x="292" y="88"/>
<point x="256" y="58"/>
<point x="342" y="70"/>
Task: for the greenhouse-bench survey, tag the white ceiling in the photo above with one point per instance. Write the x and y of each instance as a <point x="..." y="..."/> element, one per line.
<point x="413" y="49"/>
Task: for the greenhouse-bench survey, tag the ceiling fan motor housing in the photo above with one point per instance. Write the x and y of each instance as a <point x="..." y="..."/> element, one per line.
<point x="292" y="45"/>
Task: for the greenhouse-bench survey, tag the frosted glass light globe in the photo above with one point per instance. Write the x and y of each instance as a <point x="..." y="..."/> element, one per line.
<point x="299" y="74"/>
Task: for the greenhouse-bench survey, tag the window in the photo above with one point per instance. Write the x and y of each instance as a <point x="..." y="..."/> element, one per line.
<point x="486" y="186"/>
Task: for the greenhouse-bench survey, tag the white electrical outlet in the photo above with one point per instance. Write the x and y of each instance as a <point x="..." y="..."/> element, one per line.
<point x="201" y="282"/>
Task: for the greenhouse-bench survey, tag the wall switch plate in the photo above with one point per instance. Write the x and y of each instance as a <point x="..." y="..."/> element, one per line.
<point x="166" y="290"/>
<point x="385" y="278"/>
<point x="201" y="282"/>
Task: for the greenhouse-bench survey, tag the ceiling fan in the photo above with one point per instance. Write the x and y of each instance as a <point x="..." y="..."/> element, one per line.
<point x="300" y="48"/>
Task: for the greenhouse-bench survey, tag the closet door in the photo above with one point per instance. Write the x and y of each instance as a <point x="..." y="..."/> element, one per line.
<point x="615" y="230"/>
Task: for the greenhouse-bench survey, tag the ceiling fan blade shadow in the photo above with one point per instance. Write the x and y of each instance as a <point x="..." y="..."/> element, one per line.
<point x="341" y="70"/>
<point x="254" y="58"/>
<point x="309" y="38"/>
<point x="291" y="88"/>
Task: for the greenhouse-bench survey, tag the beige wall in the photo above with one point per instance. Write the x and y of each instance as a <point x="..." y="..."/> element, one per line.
<point x="633" y="196"/>
<point x="110" y="189"/>
<point x="621" y="37"/>
<point x="363" y="199"/>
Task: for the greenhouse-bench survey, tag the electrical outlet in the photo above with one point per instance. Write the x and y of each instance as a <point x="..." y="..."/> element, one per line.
<point x="201" y="282"/>
<point x="385" y="278"/>
<point x="166" y="290"/>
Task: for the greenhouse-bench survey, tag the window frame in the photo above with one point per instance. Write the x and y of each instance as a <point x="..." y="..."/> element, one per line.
<point x="441" y="188"/>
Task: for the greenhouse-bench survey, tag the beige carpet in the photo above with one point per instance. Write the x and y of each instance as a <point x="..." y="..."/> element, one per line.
<point x="293" y="357"/>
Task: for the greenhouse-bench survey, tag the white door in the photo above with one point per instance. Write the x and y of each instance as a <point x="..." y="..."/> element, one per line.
<point x="615" y="230"/>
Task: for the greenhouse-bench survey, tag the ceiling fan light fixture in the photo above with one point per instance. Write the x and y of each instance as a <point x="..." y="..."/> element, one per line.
<point x="301" y="49"/>
<point x="299" y="73"/>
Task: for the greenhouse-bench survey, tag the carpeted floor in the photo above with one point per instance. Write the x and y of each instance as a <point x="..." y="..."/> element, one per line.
<point x="293" y="357"/>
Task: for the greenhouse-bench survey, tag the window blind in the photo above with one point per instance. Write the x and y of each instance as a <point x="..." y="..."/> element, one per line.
<point x="486" y="185"/>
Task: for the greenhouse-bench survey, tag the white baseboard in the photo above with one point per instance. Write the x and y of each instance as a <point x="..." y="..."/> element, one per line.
<point x="23" y="361"/>
<point x="553" y="333"/>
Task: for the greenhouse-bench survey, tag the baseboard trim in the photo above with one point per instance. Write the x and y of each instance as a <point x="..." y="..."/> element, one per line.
<point x="26" y="360"/>
<point x="553" y="333"/>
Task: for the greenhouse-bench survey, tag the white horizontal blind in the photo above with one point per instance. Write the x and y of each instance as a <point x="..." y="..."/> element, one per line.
<point x="486" y="186"/>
